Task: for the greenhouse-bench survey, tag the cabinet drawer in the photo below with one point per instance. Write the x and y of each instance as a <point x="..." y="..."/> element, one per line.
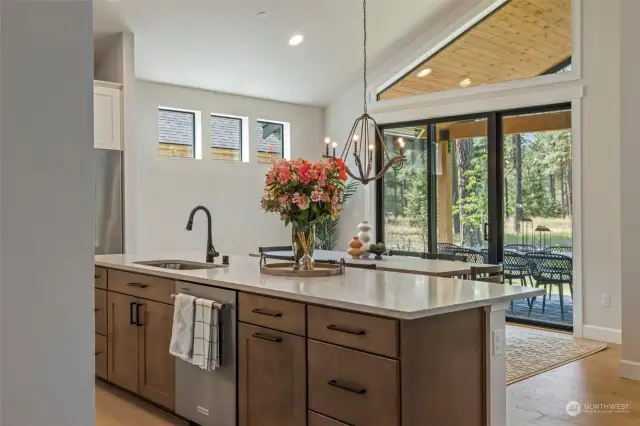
<point x="364" y="332"/>
<point x="100" y="278"/>
<point x="273" y="313"/>
<point x="316" y="419"/>
<point x="101" y="356"/>
<point x="100" y="310"/>
<point x="351" y="386"/>
<point x="144" y="286"/>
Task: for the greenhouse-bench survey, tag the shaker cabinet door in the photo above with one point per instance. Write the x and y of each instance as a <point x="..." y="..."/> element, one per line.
<point x="272" y="388"/>
<point x="122" y="341"/>
<point x="156" y="367"/>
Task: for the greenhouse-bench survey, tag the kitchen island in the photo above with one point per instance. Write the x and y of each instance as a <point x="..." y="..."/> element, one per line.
<point x="368" y="348"/>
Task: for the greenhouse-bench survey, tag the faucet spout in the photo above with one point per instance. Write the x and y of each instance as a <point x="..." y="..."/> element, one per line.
<point x="211" y="250"/>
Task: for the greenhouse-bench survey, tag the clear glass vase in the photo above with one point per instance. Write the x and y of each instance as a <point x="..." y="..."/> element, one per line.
<point x="303" y="237"/>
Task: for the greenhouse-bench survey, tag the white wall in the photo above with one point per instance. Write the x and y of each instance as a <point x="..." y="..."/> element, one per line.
<point x="600" y="148"/>
<point x="46" y="223"/>
<point x="630" y="176"/>
<point x="166" y="189"/>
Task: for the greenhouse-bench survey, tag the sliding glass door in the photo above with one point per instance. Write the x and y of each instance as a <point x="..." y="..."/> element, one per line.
<point x="493" y="188"/>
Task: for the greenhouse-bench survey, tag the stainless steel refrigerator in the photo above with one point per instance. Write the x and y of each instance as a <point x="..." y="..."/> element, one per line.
<point x="109" y="211"/>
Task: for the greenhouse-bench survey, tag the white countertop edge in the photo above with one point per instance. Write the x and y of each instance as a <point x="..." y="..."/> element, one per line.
<point x="367" y="309"/>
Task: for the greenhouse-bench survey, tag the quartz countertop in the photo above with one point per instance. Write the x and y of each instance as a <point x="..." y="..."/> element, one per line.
<point x="390" y="294"/>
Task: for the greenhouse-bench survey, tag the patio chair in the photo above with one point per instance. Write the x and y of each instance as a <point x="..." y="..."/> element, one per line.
<point x="472" y="256"/>
<point x="523" y="248"/>
<point x="559" y="249"/>
<point x="550" y="269"/>
<point x="447" y="248"/>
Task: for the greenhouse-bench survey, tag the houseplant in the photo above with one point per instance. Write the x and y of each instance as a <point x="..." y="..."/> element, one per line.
<point x="304" y="194"/>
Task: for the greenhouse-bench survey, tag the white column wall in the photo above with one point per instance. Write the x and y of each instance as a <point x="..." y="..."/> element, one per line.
<point x="46" y="214"/>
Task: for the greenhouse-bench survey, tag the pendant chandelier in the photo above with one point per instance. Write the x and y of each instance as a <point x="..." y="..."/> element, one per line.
<point x="365" y="138"/>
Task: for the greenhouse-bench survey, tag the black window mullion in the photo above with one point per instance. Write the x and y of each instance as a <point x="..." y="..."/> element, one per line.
<point x="495" y="186"/>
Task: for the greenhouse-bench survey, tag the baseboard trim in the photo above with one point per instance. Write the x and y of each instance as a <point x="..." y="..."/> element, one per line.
<point x="603" y="334"/>
<point x="630" y="370"/>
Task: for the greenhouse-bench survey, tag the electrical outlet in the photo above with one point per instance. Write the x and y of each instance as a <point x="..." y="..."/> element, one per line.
<point x="606" y="300"/>
<point x="498" y="342"/>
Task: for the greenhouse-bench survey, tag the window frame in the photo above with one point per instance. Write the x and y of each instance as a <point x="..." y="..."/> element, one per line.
<point x="196" y="146"/>
<point x="244" y="157"/>
<point x="285" y="137"/>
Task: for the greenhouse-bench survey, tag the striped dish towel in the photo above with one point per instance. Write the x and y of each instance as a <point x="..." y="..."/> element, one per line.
<point x="206" y="348"/>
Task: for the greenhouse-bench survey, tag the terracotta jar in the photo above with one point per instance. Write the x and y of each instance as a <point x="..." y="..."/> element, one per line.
<point x="355" y="248"/>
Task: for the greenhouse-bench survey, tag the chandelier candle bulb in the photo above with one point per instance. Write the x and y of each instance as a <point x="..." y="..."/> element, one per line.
<point x="327" y="141"/>
<point x="334" y="145"/>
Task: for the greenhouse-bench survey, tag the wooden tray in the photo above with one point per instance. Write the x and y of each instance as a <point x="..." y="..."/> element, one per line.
<point x="285" y="269"/>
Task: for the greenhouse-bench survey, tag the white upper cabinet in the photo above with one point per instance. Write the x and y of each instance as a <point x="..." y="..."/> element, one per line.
<point x="107" y="116"/>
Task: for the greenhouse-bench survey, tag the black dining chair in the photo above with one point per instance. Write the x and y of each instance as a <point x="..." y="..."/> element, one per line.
<point x="523" y="248"/>
<point x="445" y="256"/>
<point x="417" y="254"/>
<point x="447" y="248"/>
<point x="471" y="255"/>
<point x="549" y="269"/>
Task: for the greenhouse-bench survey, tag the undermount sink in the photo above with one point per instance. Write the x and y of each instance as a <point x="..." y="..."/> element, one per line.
<point x="182" y="265"/>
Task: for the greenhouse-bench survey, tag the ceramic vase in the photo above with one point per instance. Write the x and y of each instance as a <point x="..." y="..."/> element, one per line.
<point x="365" y="237"/>
<point x="355" y="248"/>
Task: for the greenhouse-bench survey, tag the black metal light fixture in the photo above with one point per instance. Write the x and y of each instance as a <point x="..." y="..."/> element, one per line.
<point x="364" y="136"/>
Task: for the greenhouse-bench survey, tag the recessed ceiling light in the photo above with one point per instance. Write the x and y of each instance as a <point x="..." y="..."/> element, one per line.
<point x="465" y="83"/>
<point x="296" y="40"/>
<point x="425" y="72"/>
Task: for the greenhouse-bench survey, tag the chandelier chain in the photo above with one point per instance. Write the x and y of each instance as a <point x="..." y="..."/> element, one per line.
<point x="364" y="8"/>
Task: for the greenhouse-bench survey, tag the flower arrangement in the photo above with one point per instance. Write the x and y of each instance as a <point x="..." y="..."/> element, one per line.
<point x="305" y="193"/>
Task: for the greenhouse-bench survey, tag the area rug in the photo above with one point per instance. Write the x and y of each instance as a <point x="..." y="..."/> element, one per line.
<point x="531" y="352"/>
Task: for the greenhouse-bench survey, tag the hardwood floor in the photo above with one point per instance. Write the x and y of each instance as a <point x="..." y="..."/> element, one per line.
<point x="542" y="400"/>
<point x="538" y="401"/>
<point x="118" y="408"/>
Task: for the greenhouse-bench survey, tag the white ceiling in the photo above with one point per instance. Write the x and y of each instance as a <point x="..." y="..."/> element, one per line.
<point x="223" y="45"/>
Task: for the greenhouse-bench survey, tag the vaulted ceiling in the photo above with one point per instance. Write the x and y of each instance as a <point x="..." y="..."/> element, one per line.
<point x="522" y="39"/>
<point x="224" y="45"/>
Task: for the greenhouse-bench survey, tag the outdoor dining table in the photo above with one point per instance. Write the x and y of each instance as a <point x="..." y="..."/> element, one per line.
<point x="438" y="268"/>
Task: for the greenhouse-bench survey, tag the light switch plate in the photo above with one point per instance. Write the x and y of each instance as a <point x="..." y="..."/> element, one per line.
<point x="498" y="342"/>
<point x="606" y="300"/>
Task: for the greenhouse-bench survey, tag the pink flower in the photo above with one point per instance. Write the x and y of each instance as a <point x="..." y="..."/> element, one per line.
<point x="284" y="176"/>
<point x="316" y="196"/>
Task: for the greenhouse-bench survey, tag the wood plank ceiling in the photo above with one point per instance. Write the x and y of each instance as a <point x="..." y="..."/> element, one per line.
<point x="522" y="39"/>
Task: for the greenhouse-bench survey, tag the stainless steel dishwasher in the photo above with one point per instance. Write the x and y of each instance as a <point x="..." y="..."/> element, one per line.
<point x="208" y="398"/>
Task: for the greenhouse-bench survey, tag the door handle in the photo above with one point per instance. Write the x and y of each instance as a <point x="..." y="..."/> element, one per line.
<point x="267" y="313"/>
<point x="138" y="314"/>
<point x="132" y="305"/>
<point x="487" y="237"/>
<point x="269" y="338"/>
<point x="355" y="331"/>
<point x="337" y="384"/>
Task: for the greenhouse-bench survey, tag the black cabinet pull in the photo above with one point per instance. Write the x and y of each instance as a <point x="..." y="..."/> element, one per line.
<point x="98" y="353"/>
<point x="138" y="314"/>
<point x="267" y="313"/>
<point x="337" y="384"/>
<point x="96" y="276"/>
<point x="355" y="331"/>
<point x="269" y="338"/>
<point x="132" y="306"/>
<point x="138" y="285"/>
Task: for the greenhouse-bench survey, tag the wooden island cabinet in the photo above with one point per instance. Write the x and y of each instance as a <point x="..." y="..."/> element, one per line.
<point x="364" y="349"/>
